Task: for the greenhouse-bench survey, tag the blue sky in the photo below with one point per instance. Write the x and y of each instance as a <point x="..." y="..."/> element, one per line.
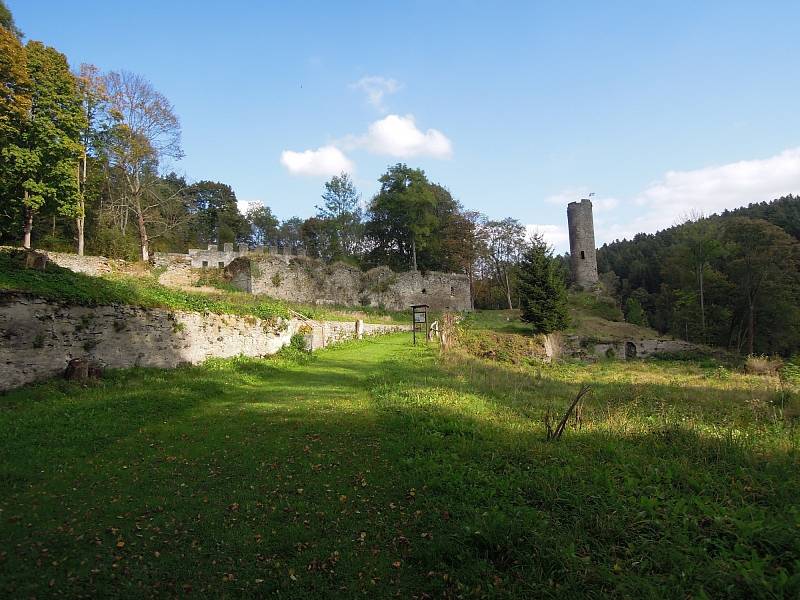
<point x="659" y="108"/>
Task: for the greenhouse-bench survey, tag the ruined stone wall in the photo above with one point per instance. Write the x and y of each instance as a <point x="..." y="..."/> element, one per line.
<point x="302" y="279"/>
<point x="90" y="265"/>
<point x="583" y="257"/>
<point x="214" y="258"/>
<point x="39" y="337"/>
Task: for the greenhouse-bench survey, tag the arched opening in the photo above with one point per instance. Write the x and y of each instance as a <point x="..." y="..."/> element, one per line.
<point x="583" y="255"/>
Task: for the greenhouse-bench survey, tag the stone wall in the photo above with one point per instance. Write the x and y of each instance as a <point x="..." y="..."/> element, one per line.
<point x="39" y="337"/>
<point x="90" y="265"/>
<point x="629" y="349"/>
<point x="302" y="279"/>
<point x="214" y="258"/>
<point x="582" y="253"/>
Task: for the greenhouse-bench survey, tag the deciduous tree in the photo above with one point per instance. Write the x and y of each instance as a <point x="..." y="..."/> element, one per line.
<point x="145" y="131"/>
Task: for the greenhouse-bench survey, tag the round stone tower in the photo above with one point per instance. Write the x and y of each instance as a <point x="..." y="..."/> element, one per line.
<point x="581" y="243"/>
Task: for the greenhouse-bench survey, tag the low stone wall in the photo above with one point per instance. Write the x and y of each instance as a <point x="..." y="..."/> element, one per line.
<point x="630" y="349"/>
<point x="90" y="265"/>
<point x="326" y="333"/>
<point x="302" y="279"/>
<point x="39" y="337"/>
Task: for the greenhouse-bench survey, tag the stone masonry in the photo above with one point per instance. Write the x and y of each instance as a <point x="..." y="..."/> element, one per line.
<point x="302" y="279"/>
<point x="39" y="337"/>
<point x="583" y="257"/>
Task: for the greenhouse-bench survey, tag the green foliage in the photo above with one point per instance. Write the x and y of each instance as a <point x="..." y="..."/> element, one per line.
<point x="542" y="292"/>
<point x="634" y="313"/>
<point x="730" y="280"/>
<point x="432" y="477"/>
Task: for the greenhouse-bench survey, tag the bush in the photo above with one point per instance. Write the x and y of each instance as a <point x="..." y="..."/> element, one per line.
<point x="762" y="365"/>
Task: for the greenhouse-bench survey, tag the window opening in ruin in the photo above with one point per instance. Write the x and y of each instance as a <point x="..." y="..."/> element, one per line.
<point x="424" y="291"/>
<point x="452" y="291"/>
<point x="205" y="264"/>
<point x="221" y="265"/>
<point x="583" y="255"/>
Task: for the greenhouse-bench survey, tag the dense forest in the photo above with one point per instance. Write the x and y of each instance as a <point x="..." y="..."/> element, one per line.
<point x="732" y="280"/>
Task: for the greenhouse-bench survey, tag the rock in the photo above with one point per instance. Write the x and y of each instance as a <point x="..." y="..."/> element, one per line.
<point x="83" y="369"/>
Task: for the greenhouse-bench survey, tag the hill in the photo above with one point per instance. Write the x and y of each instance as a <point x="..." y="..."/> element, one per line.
<point x="731" y="280"/>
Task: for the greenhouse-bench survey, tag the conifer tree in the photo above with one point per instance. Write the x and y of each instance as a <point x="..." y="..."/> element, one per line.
<point x="542" y="291"/>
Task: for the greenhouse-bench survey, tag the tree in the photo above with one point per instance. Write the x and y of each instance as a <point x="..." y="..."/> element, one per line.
<point x="7" y="21"/>
<point x="698" y="245"/>
<point x="263" y="225"/>
<point x="341" y="208"/>
<point x="505" y="244"/>
<point x="40" y="162"/>
<point x="216" y="214"/>
<point x="93" y="98"/>
<point x="15" y="106"/>
<point x="145" y="130"/>
<point x="543" y="294"/>
<point x="763" y="264"/>
<point x="634" y="312"/>
<point x="402" y="215"/>
<point x="290" y="234"/>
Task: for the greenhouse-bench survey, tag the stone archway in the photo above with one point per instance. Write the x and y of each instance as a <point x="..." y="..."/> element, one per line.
<point x="630" y="350"/>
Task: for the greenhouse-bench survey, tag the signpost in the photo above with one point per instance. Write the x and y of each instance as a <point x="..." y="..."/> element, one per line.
<point x="419" y="320"/>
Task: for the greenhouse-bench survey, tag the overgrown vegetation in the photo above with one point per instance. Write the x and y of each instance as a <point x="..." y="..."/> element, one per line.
<point x="374" y="468"/>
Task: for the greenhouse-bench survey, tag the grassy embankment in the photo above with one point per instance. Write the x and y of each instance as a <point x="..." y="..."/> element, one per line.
<point x="140" y="287"/>
<point x="378" y="469"/>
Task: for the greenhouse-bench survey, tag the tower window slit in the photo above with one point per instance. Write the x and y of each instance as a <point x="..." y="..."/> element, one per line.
<point x="583" y="255"/>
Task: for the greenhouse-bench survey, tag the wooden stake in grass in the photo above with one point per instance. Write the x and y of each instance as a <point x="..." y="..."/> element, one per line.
<point x="556" y="434"/>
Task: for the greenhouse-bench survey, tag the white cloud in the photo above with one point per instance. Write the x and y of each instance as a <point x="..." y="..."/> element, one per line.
<point x="713" y="189"/>
<point x="399" y="136"/>
<point x="678" y="195"/>
<point x="322" y="162"/>
<point x="377" y="88"/>
<point x="556" y="236"/>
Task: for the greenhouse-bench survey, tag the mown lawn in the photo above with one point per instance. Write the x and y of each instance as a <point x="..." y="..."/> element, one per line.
<point x="375" y="469"/>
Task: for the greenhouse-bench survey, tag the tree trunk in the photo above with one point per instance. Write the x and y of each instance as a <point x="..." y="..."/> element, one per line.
<point x="414" y="252"/>
<point x="143" y="242"/>
<point x="79" y="225"/>
<point x="508" y="291"/>
<point x="28" y="226"/>
<point x="81" y="220"/>
<point x="702" y="302"/>
<point x="751" y="328"/>
<point x="471" y="289"/>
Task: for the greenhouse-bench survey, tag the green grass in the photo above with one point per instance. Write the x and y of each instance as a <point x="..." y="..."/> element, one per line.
<point x="58" y="283"/>
<point x="500" y="321"/>
<point x="376" y="469"/>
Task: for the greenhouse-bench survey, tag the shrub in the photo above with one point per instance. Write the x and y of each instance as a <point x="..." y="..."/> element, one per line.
<point x="762" y="365"/>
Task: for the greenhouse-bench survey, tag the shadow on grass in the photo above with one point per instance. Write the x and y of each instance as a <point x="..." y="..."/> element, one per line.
<point x="371" y="469"/>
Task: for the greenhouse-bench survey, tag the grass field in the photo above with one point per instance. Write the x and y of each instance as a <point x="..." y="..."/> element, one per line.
<point x="377" y="469"/>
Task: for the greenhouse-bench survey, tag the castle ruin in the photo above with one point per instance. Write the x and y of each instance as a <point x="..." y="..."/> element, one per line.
<point x="583" y="257"/>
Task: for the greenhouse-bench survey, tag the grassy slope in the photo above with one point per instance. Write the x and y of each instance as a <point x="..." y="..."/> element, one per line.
<point x="58" y="283"/>
<point x="375" y="468"/>
<point x="141" y="288"/>
<point x="591" y="317"/>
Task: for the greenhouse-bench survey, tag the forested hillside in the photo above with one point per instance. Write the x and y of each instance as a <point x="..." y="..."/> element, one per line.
<point x="731" y="280"/>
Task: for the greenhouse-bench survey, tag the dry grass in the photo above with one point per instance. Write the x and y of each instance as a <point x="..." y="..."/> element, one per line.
<point x="763" y="365"/>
